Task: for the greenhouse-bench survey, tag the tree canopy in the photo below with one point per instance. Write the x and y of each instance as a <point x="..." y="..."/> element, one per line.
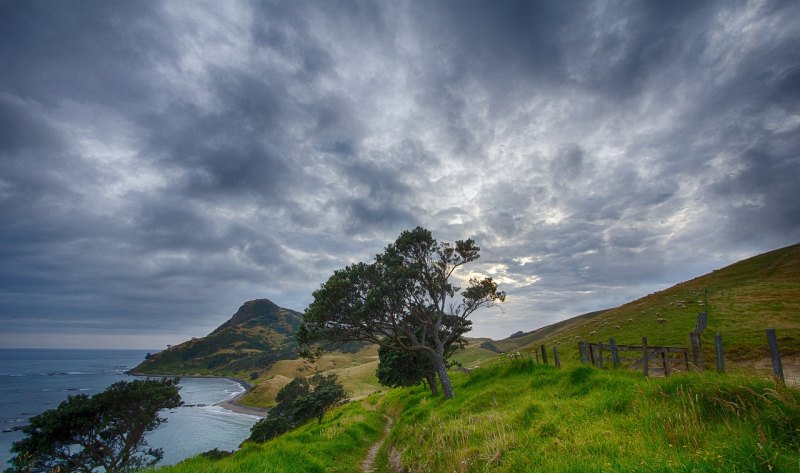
<point x="403" y="300"/>
<point x="404" y="368"/>
<point x="104" y="431"/>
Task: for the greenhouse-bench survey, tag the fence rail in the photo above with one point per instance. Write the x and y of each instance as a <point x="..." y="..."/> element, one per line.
<point x="601" y="354"/>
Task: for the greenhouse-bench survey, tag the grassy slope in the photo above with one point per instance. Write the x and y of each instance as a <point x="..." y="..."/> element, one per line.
<point x="522" y="417"/>
<point x="356" y="372"/>
<point x="743" y="300"/>
<point x="338" y="445"/>
<point x="257" y="335"/>
<point x="517" y="417"/>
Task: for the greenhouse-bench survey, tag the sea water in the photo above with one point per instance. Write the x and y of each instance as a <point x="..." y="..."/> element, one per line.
<point x="34" y="380"/>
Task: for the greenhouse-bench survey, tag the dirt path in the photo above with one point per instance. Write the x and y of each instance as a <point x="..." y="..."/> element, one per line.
<point x="368" y="466"/>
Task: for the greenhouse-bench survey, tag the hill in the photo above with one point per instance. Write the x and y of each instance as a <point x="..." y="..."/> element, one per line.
<point x="255" y="337"/>
<point x="742" y="300"/>
<point x="521" y="416"/>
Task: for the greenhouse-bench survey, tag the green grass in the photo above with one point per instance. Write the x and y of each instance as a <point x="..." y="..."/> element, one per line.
<point x="743" y="300"/>
<point x="520" y="416"/>
<point x="338" y="445"/>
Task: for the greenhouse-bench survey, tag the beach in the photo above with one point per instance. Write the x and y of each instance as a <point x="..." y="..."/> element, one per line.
<point x="34" y="380"/>
<point x="232" y="404"/>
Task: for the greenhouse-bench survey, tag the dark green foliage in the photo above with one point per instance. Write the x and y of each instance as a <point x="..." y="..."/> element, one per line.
<point x="103" y="431"/>
<point x="401" y="368"/>
<point x="276" y="423"/>
<point x="403" y="300"/>
<point x="300" y="400"/>
<point x="216" y="454"/>
<point x="327" y="392"/>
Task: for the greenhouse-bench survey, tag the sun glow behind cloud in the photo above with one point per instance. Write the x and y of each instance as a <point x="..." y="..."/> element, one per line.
<point x="158" y="173"/>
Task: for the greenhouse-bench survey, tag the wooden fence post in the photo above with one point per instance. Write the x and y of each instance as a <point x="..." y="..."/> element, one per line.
<point x="555" y="357"/>
<point x="583" y="352"/>
<point x="697" y="350"/>
<point x="614" y="353"/>
<point x="536" y="353"/>
<point x="600" y="355"/>
<point x="544" y="354"/>
<point x="591" y="354"/>
<point x="665" y="361"/>
<point x="720" y="356"/>
<point x="777" y="367"/>
<point x="702" y="322"/>
<point x="644" y="356"/>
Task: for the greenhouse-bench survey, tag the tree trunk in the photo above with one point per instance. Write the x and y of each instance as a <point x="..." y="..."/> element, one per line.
<point x="431" y="377"/>
<point x="441" y="370"/>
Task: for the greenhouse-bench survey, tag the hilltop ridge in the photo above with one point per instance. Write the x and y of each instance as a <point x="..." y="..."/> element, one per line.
<point x="253" y="339"/>
<point x="742" y="299"/>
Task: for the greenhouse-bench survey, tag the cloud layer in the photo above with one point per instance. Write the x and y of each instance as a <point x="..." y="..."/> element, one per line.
<point x="162" y="163"/>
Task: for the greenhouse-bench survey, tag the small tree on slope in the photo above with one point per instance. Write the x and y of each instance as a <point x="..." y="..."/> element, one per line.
<point x="298" y="401"/>
<point x="404" y="300"/>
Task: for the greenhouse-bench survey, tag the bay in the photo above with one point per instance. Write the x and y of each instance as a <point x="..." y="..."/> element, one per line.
<point x="34" y="380"/>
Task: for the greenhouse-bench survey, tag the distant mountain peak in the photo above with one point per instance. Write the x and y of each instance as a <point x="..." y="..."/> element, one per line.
<point x="256" y="336"/>
<point x="262" y="310"/>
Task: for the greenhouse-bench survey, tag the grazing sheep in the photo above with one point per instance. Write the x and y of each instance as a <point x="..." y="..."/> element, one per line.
<point x="617" y="327"/>
<point x="661" y="320"/>
<point x="593" y="332"/>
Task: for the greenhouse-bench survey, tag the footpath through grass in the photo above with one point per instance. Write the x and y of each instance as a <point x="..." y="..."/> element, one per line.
<point x="338" y="445"/>
<point x="520" y="417"/>
<point x="524" y="417"/>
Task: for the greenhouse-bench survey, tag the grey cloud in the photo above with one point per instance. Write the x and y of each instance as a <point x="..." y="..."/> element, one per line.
<point x="178" y="159"/>
<point x="89" y="51"/>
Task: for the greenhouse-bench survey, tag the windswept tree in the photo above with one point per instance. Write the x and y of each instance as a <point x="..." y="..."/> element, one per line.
<point x="104" y="431"/>
<point x="408" y="368"/>
<point x="403" y="300"/>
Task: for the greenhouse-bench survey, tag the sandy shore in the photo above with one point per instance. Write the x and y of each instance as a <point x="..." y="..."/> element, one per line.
<point x="231" y="404"/>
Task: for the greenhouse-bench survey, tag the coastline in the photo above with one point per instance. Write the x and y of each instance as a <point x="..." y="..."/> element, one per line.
<point x="231" y="404"/>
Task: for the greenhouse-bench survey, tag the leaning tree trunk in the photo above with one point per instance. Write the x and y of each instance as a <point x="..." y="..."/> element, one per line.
<point x="441" y="370"/>
<point x="431" y="377"/>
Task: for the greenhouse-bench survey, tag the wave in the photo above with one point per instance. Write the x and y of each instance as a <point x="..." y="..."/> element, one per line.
<point x="221" y="411"/>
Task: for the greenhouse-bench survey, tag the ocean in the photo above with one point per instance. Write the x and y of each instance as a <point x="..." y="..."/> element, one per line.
<point x="34" y="380"/>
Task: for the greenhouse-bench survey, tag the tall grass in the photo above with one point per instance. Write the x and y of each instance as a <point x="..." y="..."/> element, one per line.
<point x="337" y="445"/>
<point x="521" y="416"/>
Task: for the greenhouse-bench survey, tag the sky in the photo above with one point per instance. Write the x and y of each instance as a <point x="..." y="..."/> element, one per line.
<point x="163" y="162"/>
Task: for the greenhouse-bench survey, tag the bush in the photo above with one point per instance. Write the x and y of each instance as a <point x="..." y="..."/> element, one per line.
<point x="103" y="431"/>
<point x="300" y="400"/>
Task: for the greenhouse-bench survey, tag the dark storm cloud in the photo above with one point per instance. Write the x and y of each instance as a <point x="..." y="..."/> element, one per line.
<point x="92" y="51"/>
<point x="162" y="163"/>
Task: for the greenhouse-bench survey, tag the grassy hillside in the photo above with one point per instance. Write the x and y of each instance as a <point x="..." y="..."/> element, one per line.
<point x="256" y="336"/>
<point x="519" y="417"/>
<point x="523" y="417"/>
<point x="356" y="372"/>
<point x="742" y="300"/>
<point x="338" y="445"/>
